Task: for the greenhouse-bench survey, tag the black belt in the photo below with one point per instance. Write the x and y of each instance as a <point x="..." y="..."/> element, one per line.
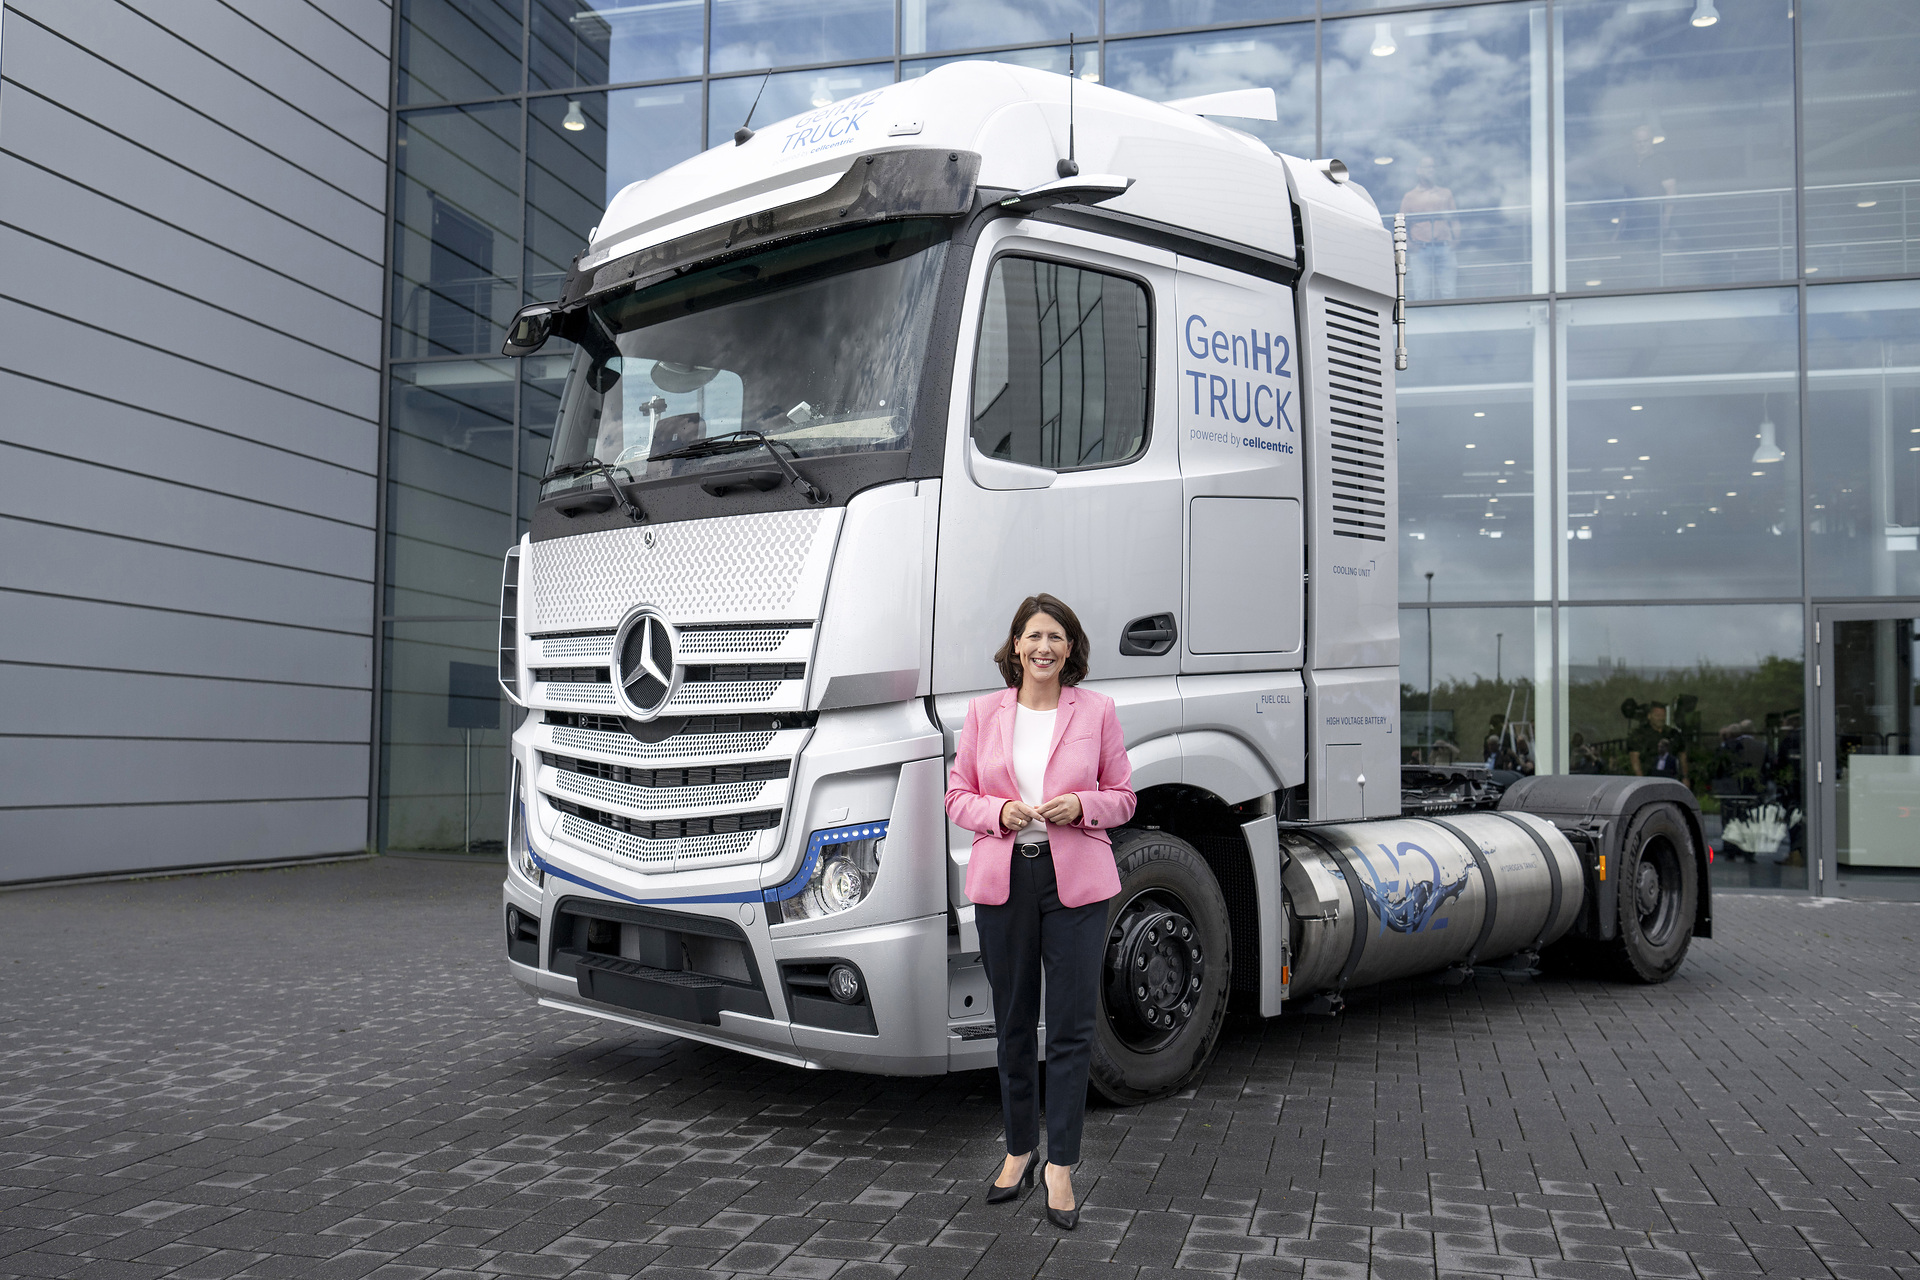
<point x="1031" y="848"/>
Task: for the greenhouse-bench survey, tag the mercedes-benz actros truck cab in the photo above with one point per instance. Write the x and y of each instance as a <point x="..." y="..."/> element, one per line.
<point x="842" y="392"/>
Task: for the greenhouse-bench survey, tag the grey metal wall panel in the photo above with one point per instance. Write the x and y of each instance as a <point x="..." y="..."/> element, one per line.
<point x="54" y="208"/>
<point x="349" y="39"/>
<point x="76" y="772"/>
<point x="69" y="422"/>
<point x="59" y="631"/>
<point x="94" y="293"/>
<point x="54" y="137"/>
<point x="39" y="343"/>
<point x="281" y="69"/>
<point x="50" y="560"/>
<point x="41" y="701"/>
<point x="192" y="249"/>
<point x="41" y="844"/>
<point x="238" y="107"/>
<point x="52" y="67"/>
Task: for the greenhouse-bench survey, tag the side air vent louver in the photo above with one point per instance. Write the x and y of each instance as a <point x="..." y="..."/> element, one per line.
<point x="1356" y="421"/>
<point x="510" y="625"/>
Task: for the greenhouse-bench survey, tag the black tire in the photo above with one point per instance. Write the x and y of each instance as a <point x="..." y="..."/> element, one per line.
<point x="1659" y="892"/>
<point x="1171" y="914"/>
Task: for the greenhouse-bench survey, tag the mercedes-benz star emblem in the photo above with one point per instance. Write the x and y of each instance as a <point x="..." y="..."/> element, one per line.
<point x="643" y="666"/>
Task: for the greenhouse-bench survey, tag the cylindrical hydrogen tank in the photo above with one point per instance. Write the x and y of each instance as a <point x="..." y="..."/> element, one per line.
<point x="1420" y="899"/>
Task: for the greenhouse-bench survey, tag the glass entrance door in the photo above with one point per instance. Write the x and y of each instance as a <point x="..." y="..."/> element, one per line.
<point x="1869" y="703"/>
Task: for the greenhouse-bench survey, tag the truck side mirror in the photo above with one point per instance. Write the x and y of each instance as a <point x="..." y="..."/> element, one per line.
<point x="529" y="330"/>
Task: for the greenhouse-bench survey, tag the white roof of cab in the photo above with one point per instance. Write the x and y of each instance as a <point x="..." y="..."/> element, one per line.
<point x="1189" y="172"/>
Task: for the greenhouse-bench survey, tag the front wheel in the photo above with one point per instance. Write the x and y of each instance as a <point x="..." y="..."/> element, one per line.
<point x="1164" y="979"/>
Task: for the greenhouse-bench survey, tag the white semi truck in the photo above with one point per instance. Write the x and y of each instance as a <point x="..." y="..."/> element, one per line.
<point x="842" y="393"/>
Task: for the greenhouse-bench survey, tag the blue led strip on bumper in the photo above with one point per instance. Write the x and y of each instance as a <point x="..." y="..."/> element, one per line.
<point x="815" y="843"/>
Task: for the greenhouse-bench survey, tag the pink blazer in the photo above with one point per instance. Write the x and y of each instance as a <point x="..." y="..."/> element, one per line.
<point x="1089" y="758"/>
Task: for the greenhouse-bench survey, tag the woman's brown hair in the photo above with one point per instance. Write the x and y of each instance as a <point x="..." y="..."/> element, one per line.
<point x="1075" y="668"/>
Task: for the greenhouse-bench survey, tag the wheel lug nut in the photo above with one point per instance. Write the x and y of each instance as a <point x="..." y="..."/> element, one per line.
<point x="1185" y="932"/>
<point x="1196" y="953"/>
<point x="1142" y="993"/>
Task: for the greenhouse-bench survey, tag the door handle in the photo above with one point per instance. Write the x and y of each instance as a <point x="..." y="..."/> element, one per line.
<point x="1149" y="637"/>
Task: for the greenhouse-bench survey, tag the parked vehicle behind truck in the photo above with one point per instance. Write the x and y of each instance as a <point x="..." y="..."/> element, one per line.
<point x="842" y="393"/>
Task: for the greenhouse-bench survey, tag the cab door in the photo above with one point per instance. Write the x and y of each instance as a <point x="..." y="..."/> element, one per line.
<point x="1062" y="473"/>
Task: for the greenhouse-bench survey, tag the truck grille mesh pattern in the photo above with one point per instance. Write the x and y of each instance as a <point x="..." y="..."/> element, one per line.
<point x="593" y="695"/>
<point x="740" y="566"/>
<point x="691" y="746"/>
<point x="650" y="799"/>
<point x="659" y="855"/>
<point x="706" y="641"/>
<point x="1356" y="420"/>
<point x="714" y="692"/>
<point x="562" y="648"/>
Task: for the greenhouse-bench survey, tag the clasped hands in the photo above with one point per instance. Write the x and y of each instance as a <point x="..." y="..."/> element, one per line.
<point x="1016" y="815"/>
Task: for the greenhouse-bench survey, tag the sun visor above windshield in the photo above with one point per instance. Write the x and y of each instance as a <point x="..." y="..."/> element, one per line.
<point x="915" y="182"/>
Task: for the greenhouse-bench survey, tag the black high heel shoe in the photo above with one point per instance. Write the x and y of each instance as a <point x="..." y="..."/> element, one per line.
<point x="997" y="1194"/>
<point x="1065" y="1219"/>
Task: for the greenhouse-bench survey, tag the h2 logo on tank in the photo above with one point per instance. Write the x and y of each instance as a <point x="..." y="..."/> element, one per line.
<point x="1410" y="896"/>
<point x="1235" y="384"/>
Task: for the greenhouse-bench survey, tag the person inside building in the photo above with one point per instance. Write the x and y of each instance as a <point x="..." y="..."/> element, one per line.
<point x="1040" y="776"/>
<point x="1433" y="270"/>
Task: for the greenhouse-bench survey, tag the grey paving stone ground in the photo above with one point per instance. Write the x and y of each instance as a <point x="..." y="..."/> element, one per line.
<point x="325" y="1073"/>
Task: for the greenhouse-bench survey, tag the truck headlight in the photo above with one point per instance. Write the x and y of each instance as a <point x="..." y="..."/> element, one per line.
<point x="519" y="841"/>
<point x="838" y="872"/>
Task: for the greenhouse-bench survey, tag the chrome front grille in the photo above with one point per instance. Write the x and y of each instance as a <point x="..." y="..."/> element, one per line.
<point x="679" y="792"/>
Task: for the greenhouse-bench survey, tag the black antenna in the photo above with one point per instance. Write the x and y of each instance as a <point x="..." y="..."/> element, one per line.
<point x="745" y="132"/>
<point x="1069" y="167"/>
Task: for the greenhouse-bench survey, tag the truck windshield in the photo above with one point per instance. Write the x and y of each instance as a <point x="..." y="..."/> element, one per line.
<point x="815" y="345"/>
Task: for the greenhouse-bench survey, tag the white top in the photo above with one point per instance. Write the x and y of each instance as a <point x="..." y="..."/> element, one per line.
<point x="1032" y="743"/>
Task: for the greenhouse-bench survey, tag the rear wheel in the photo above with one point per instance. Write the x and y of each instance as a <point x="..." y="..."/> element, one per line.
<point x="1659" y="891"/>
<point x="1164" y="979"/>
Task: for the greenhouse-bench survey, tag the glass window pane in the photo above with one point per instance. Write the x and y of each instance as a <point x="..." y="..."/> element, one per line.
<point x="456" y="235"/>
<point x="1863" y="417"/>
<point x="444" y="730"/>
<point x="1876" y="784"/>
<point x="1858" y="120"/>
<point x="1711" y="695"/>
<point x="1280" y="58"/>
<point x="1472" y="685"/>
<point x="574" y="172"/>
<point x="1159" y="15"/>
<point x="927" y="25"/>
<point x="785" y="96"/>
<point x="582" y="42"/>
<point x="1678" y="142"/>
<point x="1474" y="419"/>
<point x="785" y="33"/>
<point x="449" y="486"/>
<point x="1682" y="457"/>
<point x="1060" y="379"/>
<point x="1086" y="61"/>
<point x="1441" y="117"/>
<point x="456" y="49"/>
<point x="542" y="378"/>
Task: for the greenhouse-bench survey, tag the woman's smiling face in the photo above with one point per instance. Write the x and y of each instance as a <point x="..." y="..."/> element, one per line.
<point x="1042" y="650"/>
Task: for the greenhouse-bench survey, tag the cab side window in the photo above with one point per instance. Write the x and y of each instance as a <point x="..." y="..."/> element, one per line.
<point x="1060" y="380"/>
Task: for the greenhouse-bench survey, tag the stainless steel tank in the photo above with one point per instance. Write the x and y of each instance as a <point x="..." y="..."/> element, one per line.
<point x="1372" y="901"/>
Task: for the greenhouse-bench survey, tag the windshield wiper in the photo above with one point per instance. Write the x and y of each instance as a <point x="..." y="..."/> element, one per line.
<point x="593" y="467"/>
<point x="740" y="442"/>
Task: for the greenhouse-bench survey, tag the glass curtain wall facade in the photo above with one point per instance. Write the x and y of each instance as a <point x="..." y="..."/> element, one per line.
<point x="1665" y="292"/>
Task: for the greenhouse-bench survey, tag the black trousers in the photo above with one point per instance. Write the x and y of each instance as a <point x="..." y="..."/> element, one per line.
<point x="1030" y="932"/>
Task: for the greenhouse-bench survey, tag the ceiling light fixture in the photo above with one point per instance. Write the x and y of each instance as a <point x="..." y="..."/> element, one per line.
<point x="1636" y="407"/>
<point x="1866" y="204"/>
<point x="1383" y="45"/>
<point x="1383" y="159"/>
<point x="1769" y="449"/>
<point x="575" y="119"/>
<point x="1479" y="415"/>
<point x="1704" y="14"/>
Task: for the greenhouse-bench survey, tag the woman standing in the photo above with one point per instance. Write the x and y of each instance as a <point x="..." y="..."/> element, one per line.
<point x="1040" y="776"/>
